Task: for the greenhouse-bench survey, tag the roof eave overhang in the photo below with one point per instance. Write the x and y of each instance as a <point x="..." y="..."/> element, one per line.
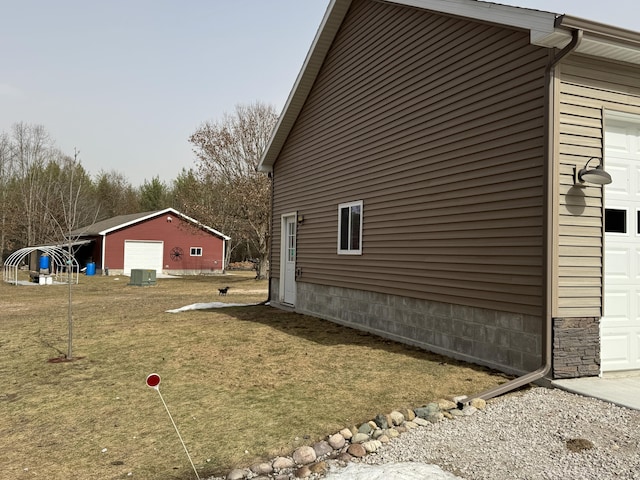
<point x="162" y="212"/>
<point x="546" y="29"/>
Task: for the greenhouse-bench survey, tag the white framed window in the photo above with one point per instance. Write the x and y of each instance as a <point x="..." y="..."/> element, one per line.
<point x="350" y="228"/>
<point x="196" y="251"/>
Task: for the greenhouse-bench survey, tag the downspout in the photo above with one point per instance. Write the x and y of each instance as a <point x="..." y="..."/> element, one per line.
<point x="268" y="300"/>
<point x="550" y="192"/>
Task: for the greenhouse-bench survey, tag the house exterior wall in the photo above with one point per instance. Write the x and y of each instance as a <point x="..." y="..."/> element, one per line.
<point x="437" y="125"/>
<point x="587" y="89"/>
<point x="177" y="233"/>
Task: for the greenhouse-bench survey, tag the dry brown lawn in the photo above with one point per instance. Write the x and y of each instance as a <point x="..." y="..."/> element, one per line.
<point x="242" y="383"/>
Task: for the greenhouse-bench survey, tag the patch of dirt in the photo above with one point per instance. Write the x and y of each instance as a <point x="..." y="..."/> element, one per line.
<point x="64" y="359"/>
<point x="577" y="445"/>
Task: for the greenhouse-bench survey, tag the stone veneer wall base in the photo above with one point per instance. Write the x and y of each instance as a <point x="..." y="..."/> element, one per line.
<point x="576" y="347"/>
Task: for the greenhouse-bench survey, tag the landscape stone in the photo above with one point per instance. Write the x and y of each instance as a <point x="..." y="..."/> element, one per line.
<point x="303" y="472"/>
<point x="319" y="468"/>
<point x="346" y="433"/>
<point x="445" y="404"/>
<point x="365" y="428"/>
<point x="409" y="414"/>
<point x="436" y="417"/>
<point x="396" y="417"/>
<point x="262" y="468"/>
<point x="345" y="457"/>
<point x="322" y="448"/>
<point x="304" y="455"/>
<point x="356" y="450"/>
<point x="392" y="433"/>
<point x="372" y="446"/>
<point x="337" y="441"/>
<point x="410" y="425"/>
<point x="381" y="421"/>
<point x="281" y="463"/>
<point x="424" y="412"/>
<point x="360" y="437"/>
<point x="237" y="474"/>
<point x="384" y="439"/>
<point x="478" y="403"/>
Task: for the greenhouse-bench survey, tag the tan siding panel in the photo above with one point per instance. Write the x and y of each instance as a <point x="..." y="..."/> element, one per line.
<point x="588" y="87"/>
<point x="436" y="124"/>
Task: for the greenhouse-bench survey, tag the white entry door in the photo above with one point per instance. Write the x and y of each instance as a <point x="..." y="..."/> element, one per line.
<point x="620" y="328"/>
<point x="288" y="260"/>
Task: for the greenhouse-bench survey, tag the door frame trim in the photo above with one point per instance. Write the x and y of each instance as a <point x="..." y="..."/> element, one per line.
<point x="283" y="253"/>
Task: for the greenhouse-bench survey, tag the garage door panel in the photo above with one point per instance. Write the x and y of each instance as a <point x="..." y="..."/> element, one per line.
<point x="617" y="305"/>
<point x="620" y="327"/>
<point x="618" y="266"/>
<point x="620" y="174"/>
<point x="615" y="352"/>
<point x="146" y="255"/>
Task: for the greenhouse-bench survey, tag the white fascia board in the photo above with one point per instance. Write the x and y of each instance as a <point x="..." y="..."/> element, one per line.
<point x="162" y="212"/>
<point x="201" y="225"/>
<point x="540" y="24"/>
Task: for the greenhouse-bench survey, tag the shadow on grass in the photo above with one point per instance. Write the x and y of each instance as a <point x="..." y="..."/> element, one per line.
<point x="330" y="334"/>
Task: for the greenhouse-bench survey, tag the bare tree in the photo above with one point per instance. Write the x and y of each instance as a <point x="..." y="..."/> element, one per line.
<point x="76" y="211"/>
<point x="6" y="176"/>
<point x="32" y="152"/>
<point x="228" y="153"/>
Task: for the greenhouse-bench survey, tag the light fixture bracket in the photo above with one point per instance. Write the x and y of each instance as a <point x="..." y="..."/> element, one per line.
<point x="596" y="176"/>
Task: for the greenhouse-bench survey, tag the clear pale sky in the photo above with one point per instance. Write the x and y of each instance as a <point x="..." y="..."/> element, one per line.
<point x="127" y="82"/>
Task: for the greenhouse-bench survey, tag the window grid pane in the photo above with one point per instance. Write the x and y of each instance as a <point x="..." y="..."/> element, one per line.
<point x="344" y="229"/>
<point x="355" y="228"/>
<point x="615" y="220"/>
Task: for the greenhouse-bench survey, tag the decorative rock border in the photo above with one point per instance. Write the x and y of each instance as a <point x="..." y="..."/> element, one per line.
<point x="356" y="442"/>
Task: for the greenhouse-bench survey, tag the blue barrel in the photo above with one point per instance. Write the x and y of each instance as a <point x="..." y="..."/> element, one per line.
<point x="91" y="268"/>
<point x="44" y="262"/>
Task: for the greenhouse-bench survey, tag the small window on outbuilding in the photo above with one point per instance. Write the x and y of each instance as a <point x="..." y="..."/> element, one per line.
<point x="350" y="228"/>
<point x="196" y="251"/>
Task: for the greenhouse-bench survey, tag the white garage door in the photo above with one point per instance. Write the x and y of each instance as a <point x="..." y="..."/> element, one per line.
<point x="620" y="328"/>
<point x="146" y="255"/>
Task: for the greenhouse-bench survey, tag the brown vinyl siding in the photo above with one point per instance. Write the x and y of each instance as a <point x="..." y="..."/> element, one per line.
<point x="587" y="89"/>
<point x="436" y="124"/>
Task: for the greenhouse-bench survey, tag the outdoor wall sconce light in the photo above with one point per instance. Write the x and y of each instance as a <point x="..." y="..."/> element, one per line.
<point x="300" y="218"/>
<point x="595" y="175"/>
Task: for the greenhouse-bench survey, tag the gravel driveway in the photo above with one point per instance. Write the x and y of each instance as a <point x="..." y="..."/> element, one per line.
<point x="537" y="434"/>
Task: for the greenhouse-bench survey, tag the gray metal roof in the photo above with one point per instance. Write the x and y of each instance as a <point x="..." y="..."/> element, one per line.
<point x="122" y="221"/>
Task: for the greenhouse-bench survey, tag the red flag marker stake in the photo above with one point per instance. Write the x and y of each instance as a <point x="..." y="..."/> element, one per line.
<point x="153" y="381"/>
